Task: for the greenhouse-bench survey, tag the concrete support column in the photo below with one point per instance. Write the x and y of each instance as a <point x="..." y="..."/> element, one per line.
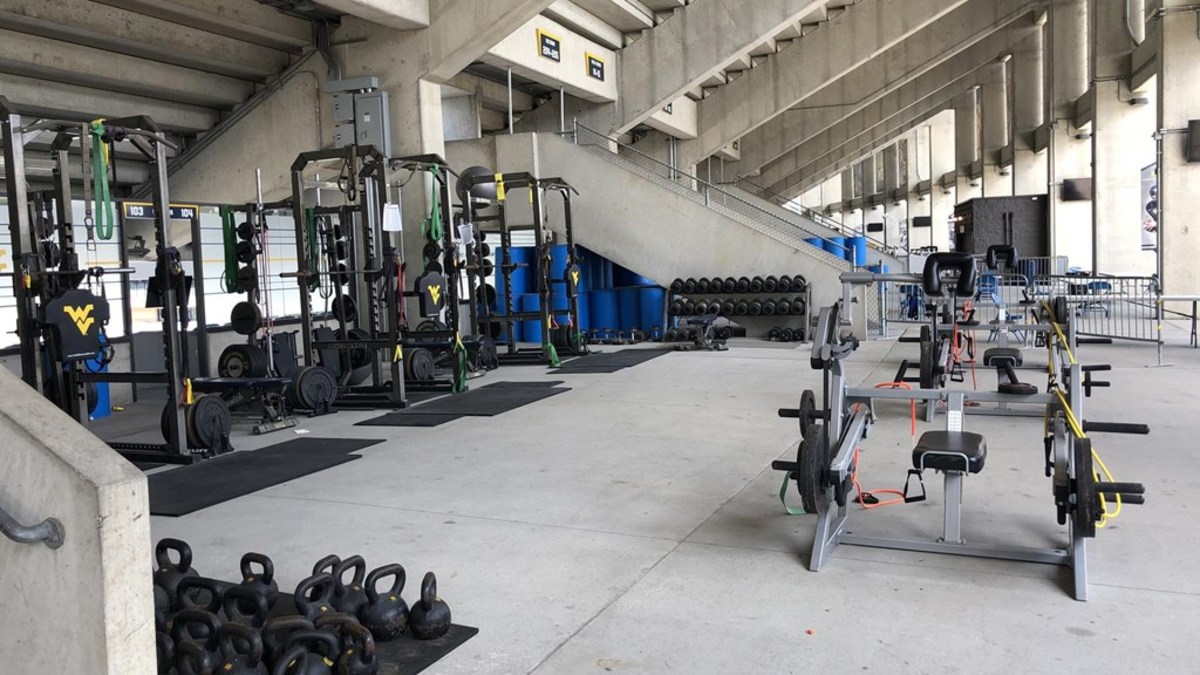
<point x="1178" y="102"/>
<point x="1122" y="143"/>
<point x="966" y="144"/>
<point x="1070" y="156"/>
<point x="895" y="209"/>
<point x="997" y="180"/>
<point x="941" y="162"/>
<point x="1030" y="175"/>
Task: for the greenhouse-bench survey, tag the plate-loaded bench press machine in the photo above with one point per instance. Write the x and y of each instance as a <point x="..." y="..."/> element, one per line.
<point x="827" y="459"/>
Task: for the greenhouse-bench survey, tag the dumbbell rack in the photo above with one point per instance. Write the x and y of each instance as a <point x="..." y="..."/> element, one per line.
<point x="740" y="300"/>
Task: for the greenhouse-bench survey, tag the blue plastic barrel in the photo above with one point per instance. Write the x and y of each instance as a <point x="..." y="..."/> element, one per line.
<point x="836" y="246"/>
<point x="630" y="310"/>
<point x="531" y="331"/>
<point x="856" y="250"/>
<point x="603" y="307"/>
<point x="605" y="279"/>
<point x="651" y="301"/>
<point x="559" y="303"/>
<point x="103" y="401"/>
<point x="585" y="319"/>
<point x="816" y="241"/>
<point x="558" y="261"/>
<point x="522" y="276"/>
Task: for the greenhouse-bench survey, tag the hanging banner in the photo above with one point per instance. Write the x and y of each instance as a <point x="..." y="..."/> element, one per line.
<point x="1150" y="208"/>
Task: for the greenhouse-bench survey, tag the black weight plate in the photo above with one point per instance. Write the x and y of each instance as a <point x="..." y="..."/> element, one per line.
<point x="343" y="305"/>
<point x="245" y="318"/>
<point x="784" y="284"/>
<point x="729" y="285"/>
<point x="485" y="295"/>
<point x="428" y="325"/>
<point x="359" y="356"/>
<point x="487" y="268"/>
<point x="494" y="329"/>
<point x="245" y="231"/>
<point x="340" y="250"/>
<point x="808" y="405"/>
<point x="1060" y="309"/>
<point x="341" y="277"/>
<point x="485" y="249"/>
<point x="928" y="371"/>
<point x="724" y="332"/>
<point x="92" y="396"/>
<point x="245" y="252"/>
<point x="247" y="278"/>
<point x="315" y="388"/>
<point x="488" y="354"/>
<point x="167" y="411"/>
<point x="242" y="360"/>
<point x="433" y="266"/>
<point x="208" y="422"/>
<point x="813" y="475"/>
<point x="431" y="250"/>
<point x="1087" y="498"/>
<point x="419" y="364"/>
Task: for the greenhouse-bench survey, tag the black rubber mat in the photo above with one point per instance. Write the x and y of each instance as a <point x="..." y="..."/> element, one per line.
<point x="609" y="362"/>
<point x="422" y="396"/>
<point x="484" y="402"/>
<point x="539" y="383"/>
<point x="405" y="655"/>
<point x="181" y="491"/>
<point x="148" y="466"/>
<point x="408" y="419"/>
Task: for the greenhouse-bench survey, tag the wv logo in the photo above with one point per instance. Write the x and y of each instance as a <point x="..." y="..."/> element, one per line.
<point x="82" y="316"/>
<point x="575" y="276"/>
<point x="435" y="294"/>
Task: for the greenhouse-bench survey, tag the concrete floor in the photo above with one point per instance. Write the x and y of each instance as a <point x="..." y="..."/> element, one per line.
<point x="633" y="525"/>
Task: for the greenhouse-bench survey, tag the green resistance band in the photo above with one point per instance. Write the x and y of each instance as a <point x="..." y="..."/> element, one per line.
<point x="104" y="213"/>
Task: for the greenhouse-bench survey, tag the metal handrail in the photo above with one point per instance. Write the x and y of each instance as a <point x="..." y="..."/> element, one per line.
<point x="781" y="201"/>
<point x="712" y="195"/>
<point x="50" y="531"/>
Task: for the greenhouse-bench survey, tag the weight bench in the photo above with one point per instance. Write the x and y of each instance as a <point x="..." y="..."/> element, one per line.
<point x="1006" y="360"/>
<point x="955" y="454"/>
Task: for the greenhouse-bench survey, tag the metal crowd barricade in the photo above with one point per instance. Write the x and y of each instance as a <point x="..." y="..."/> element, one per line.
<point x="1121" y="308"/>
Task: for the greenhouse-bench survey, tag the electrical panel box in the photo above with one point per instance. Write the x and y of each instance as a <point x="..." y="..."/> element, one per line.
<point x="360" y="111"/>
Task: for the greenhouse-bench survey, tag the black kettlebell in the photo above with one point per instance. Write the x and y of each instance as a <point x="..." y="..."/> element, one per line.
<point x="334" y="623"/>
<point x="245" y="606"/>
<point x="430" y="616"/>
<point x="386" y="615"/>
<point x="201" y="593"/>
<point x="350" y="598"/>
<point x="314" y="596"/>
<point x="169" y="573"/>
<point x="322" y="647"/>
<point x="264" y="581"/>
<point x="162" y="609"/>
<point x="191" y="658"/>
<point x="241" y="651"/>
<point x="358" y="652"/>
<point x="276" y="632"/>
<point x="326" y="565"/>
<point x="196" y="627"/>
<point x="293" y="662"/>
<point x="164" y="650"/>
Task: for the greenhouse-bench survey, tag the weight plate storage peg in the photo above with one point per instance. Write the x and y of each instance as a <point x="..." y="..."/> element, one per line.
<point x="431" y="250"/>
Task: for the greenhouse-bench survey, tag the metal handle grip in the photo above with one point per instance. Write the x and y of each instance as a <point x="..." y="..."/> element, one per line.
<point x="50" y="531"/>
<point x="1115" y="428"/>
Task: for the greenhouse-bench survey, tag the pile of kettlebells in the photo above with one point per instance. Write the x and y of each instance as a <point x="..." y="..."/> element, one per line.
<point x="205" y="625"/>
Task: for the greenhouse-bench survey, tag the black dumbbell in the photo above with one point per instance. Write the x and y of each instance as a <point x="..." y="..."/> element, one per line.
<point x="689" y="286"/>
<point x="770" y="284"/>
<point x="676" y="308"/>
<point x="773" y="333"/>
<point x="742" y="285"/>
<point x="741" y="308"/>
<point x="785" y="334"/>
<point x="701" y="308"/>
<point x="728" y="307"/>
<point x="768" y="307"/>
<point x="677" y="286"/>
<point x="755" y="308"/>
<point x="756" y="285"/>
<point x="728" y="285"/>
<point x="702" y="285"/>
<point x="784" y="285"/>
<point x="797" y="306"/>
<point x="689" y="308"/>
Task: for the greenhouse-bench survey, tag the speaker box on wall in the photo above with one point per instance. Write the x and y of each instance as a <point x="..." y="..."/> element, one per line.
<point x="1077" y="189"/>
<point x="1193" y="141"/>
<point x="922" y="221"/>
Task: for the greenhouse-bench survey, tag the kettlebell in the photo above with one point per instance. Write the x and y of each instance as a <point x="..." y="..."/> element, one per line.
<point x="200" y="593"/>
<point x="430" y="616"/>
<point x="168" y="573"/>
<point x="164" y="650"/>
<point x="264" y="581"/>
<point x="350" y="598"/>
<point x="314" y="596"/>
<point x="162" y="609"/>
<point x="245" y="606"/>
<point x="334" y="623"/>
<point x="386" y="615"/>
<point x="358" y="652"/>
<point x="326" y="564"/>
<point x="191" y="658"/>
<point x="196" y="627"/>
<point x="293" y="662"/>
<point x="322" y="648"/>
<point x="276" y="632"/>
<point x="241" y="651"/>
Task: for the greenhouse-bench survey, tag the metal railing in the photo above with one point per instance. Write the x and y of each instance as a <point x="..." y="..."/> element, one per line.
<point x="769" y="195"/>
<point x="711" y="196"/>
<point x="1122" y="308"/>
<point x="50" y="531"/>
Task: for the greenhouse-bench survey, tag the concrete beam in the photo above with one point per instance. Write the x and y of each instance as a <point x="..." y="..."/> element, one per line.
<point x="463" y="30"/>
<point x="585" y="23"/>
<point x="627" y="16"/>
<point x="900" y="65"/>
<point x="862" y="32"/>
<point x="247" y="21"/>
<point x="399" y="14"/>
<point x="866" y="131"/>
<point x="491" y="94"/>
<point x="811" y="122"/>
<point x="682" y="53"/>
<point x="66" y="101"/>
<point x="88" y="24"/>
<point x="32" y="56"/>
